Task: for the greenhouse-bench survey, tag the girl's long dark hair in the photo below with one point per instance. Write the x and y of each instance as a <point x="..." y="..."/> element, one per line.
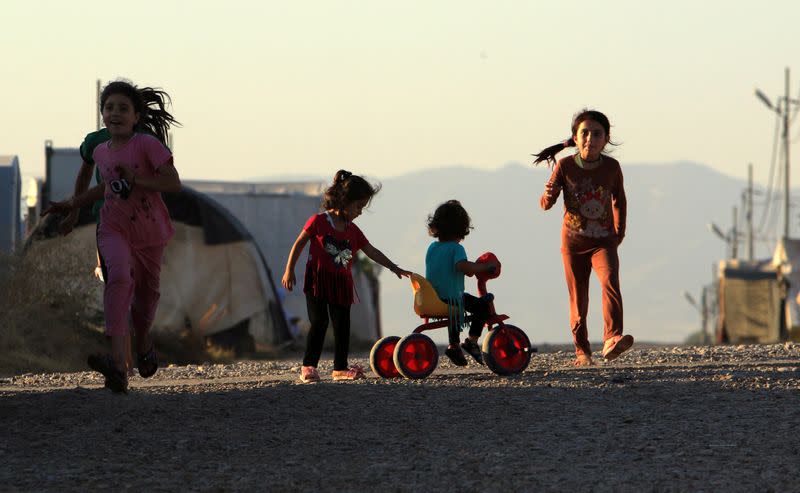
<point x="347" y="188"/>
<point x="548" y="154"/>
<point x="151" y="104"/>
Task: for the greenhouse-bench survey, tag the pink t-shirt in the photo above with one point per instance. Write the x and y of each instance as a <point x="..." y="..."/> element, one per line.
<point x="142" y="218"/>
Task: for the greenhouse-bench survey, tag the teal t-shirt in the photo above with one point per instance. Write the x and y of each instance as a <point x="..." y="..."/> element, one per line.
<point x="440" y="269"/>
<point x="91" y="141"/>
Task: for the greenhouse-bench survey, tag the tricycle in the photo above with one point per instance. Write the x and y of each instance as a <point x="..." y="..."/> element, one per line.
<point x="506" y="349"/>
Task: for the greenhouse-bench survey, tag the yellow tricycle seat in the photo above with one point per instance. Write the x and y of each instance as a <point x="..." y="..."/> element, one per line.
<point x="426" y="302"/>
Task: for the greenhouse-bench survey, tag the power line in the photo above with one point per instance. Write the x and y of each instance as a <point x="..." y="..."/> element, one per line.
<point x="771" y="185"/>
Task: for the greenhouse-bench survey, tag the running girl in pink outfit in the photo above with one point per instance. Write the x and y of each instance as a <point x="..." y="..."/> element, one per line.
<point x="155" y="121"/>
<point x="134" y="228"/>
<point x="328" y="282"/>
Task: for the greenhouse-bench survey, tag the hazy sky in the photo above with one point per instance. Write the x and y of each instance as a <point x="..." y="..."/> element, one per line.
<point x="383" y="88"/>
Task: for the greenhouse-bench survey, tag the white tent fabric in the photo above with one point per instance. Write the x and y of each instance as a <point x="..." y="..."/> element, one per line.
<point x="213" y="287"/>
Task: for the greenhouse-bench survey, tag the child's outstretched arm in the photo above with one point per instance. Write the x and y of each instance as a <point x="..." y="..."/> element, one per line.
<point x="378" y="256"/>
<point x="76" y="202"/>
<point x="288" y="281"/>
<point x="471" y="268"/>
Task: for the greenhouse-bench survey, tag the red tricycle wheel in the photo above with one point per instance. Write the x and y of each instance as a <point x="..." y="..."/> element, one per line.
<point x="506" y="350"/>
<point x="381" y="358"/>
<point x="416" y="356"/>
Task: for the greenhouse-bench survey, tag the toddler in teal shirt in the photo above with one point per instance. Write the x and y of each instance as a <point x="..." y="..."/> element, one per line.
<point x="446" y="265"/>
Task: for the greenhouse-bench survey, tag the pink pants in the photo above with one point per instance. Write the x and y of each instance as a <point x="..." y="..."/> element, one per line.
<point x="132" y="285"/>
<point x="577" y="268"/>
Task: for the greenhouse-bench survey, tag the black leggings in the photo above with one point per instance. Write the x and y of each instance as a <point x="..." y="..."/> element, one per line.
<point x="318" y="316"/>
<point x="479" y="311"/>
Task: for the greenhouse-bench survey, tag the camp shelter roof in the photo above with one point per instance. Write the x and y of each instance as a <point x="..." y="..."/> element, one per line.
<point x="310" y="188"/>
<point x="188" y="206"/>
<point x="746" y="269"/>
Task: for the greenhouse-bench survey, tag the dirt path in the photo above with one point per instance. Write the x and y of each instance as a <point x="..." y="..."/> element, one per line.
<point x="666" y="419"/>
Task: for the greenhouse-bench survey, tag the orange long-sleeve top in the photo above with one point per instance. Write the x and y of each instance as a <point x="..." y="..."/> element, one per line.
<point x="595" y="207"/>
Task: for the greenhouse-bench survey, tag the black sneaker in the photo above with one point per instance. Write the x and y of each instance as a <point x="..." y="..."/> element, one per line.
<point x="147" y="363"/>
<point x="472" y="348"/>
<point x="115" y="380"/>
<point x="456" y="356"/>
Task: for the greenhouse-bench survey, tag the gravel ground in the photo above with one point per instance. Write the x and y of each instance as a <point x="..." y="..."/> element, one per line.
<point x="657" y="419"/>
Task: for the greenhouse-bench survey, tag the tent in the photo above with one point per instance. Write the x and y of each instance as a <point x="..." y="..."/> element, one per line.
<point x="751" y="300"/>
<point x="274" y="213"/>
<point x="214" y="277"/>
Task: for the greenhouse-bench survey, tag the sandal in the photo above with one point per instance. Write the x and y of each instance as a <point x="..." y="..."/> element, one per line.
<point x="355" y="372"/>
<point x="115" y="379"/>
<point x="617" y="345"/>
<point x="309" y="374"/>
<point x="147" y="363"/>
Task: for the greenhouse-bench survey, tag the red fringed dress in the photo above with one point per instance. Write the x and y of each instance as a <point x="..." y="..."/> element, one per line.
<point x="329" y="274"/>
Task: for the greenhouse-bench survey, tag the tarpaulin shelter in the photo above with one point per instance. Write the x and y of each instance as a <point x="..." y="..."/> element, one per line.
<point x="751" y="301"/>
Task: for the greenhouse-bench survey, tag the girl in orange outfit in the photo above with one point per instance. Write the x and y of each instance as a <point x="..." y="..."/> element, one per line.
<point x="593" y="228"/>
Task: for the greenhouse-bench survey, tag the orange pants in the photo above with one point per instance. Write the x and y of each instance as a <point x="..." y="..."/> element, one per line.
<point x="578" y="266"/>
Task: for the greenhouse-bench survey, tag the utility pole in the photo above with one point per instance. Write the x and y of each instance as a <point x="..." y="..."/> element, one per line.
<point x="782" y="109"/>
<point x="749" y="212"/>
<point x="786" y="162"/>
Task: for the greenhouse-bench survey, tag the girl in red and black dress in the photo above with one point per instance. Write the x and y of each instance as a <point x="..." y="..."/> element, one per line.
<point x="595" y="210"/>
<point x="329" y="278"/>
